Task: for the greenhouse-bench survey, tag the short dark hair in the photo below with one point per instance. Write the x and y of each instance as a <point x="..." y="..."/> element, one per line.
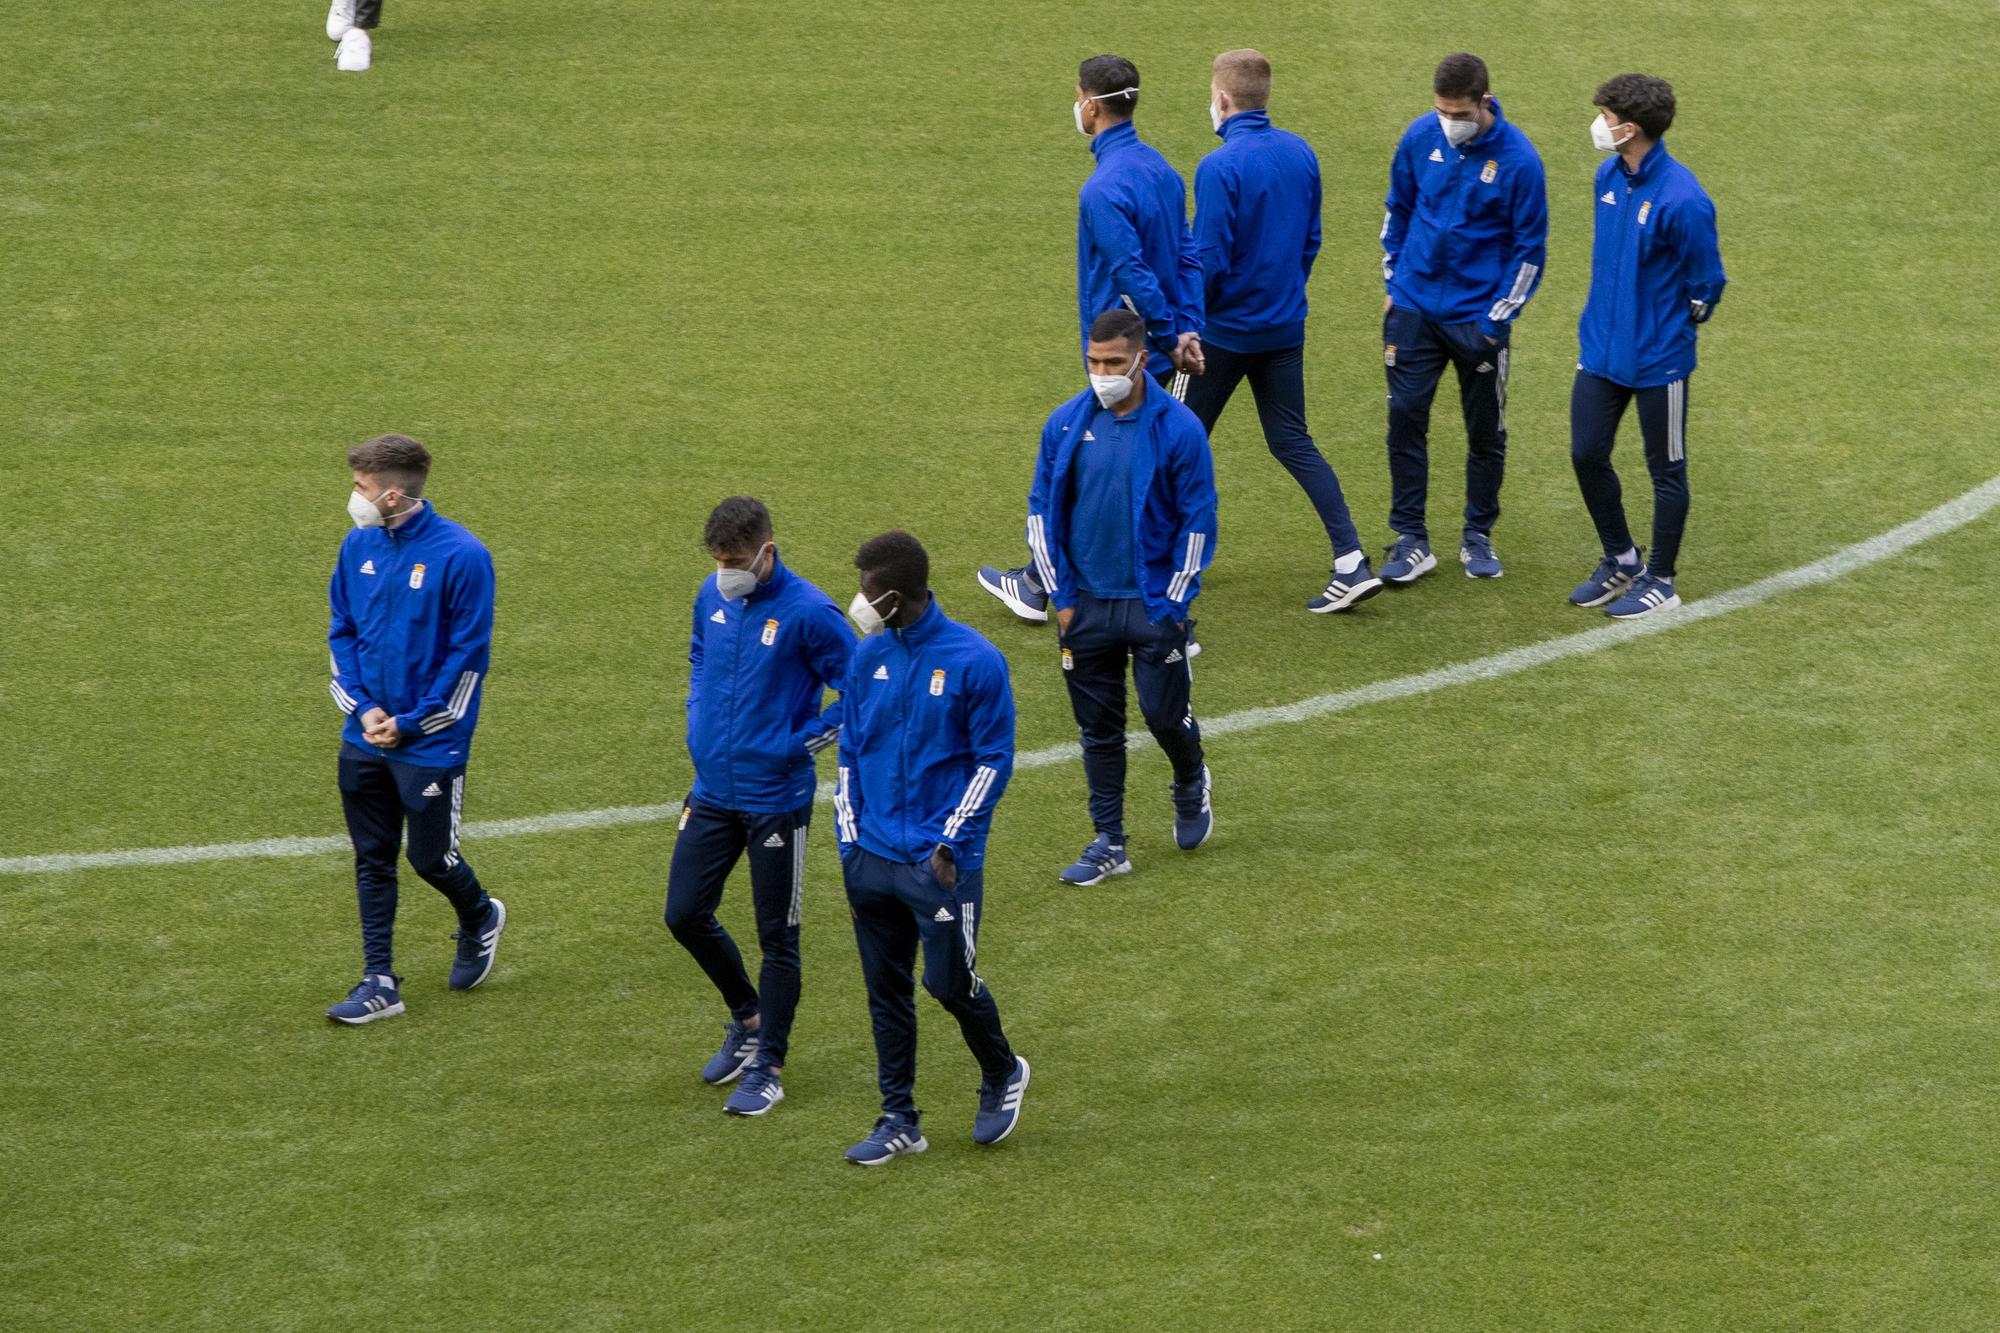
<point x="1460" y="75"/>
<point x="396" y="459"/>
<point x="1101" y="77"/>
<point x="736" y="523"/>
<point x="1118" y="323"/>
<point x="1640" y="98"/>
<point x="899" y="559"/>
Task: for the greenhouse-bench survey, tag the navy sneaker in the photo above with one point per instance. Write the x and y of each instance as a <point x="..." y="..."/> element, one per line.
<point x="1408" y="560"/>
<point x="892" y="1137"/>
<point x="739" y="1048"/>
<point x="1193" y="820"/>
<point x="1000" y="1105"/>
<point x="1610" y="578"/>
<point x="757" y="1093"/>
<point x="1019" y="589"/>
<point x="1475" y="552"/>
<point x="376" y="997"/>
<point x="478" y="948"/>
<point x="1647" y="594"/>
<point x="1345" y="590"/>
<point x="1099" y="862"/>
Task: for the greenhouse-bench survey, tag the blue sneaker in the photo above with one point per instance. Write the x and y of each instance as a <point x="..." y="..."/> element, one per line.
<point x="891" y="1138"/>
<point x="1408" y="560"/>
<point x="1345" y="590"/>
<point x="757" y="1093"/>
<point x="1610" y="578"/>
<point x="376" y="997"/>
<point x="1475" y="552"/>
<point x="1193" y="820"/>
<point x="1646" y="595"/>
<point x="1099" y="862"/>
<point x="1000" y="1105"/>
<point x="739" y="1048"/>
<point x="1019" y="589"/>
<point x="477" y="949"/>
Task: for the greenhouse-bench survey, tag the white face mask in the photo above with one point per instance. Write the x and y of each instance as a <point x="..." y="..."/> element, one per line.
<point x="1457" y="132"/>
<point x="736" y="584"/>
<point x="1600" y="137"/>
<point x="1078" y="107"/>
<point x="1215" y="116"/>
<point x="363" y="511"/>
<point x="863" y="613"/>
<point x="1112" y="390"/>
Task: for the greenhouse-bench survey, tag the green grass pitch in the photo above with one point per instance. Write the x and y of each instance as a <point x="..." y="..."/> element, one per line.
<point x="1653" y="989"/>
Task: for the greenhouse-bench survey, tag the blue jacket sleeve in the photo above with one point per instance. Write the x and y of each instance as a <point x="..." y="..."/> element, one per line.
<point x="695" y="637"/>
<point x="990" y="734"/>
<point x="846" y="786"/>
<point x="1312" y="226"/>
<point x="1702" y="278"/>
<point x="1051" y="565"/>
<point x="1114" y="237"/>
<point x="829" y="646"/>
<point x="1192" y="314"/>
<point x="343" y="641"/>
<point x="1402" y="201"/>
<point x="468" y="615"/>
<point x="1191" y="469"/>
<point x="1529" y="253"/>
<point x="1214" y="225"/>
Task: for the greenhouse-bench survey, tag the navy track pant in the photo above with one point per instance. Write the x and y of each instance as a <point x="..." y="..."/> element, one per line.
<point x="895" y="907"/>
<point x="1595" y="407"/>
<point x="379" y="797"/>
<point x="1415" y="351"/>
<point x="1278" y="384"/>
<point x="1102" y="635"/>
<point x="367" y="13"/>
<point x="710" y="843"/>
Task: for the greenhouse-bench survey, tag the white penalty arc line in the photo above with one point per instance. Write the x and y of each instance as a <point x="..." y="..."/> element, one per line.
<point x="1974" y="504"/>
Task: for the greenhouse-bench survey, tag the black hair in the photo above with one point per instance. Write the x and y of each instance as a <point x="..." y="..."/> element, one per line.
<point x="737" y="523"/>
<point x="1118" y="323"/>
<point x="899" y="561"/>
<point x="1102" y="76"/>
<point x="1640" y="98"/>
<point x="396" y="459"/>
<point x="1460" y="75"/>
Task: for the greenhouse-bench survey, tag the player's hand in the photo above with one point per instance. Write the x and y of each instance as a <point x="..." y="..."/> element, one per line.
<point x="944" y="868"/>
<point x="387" y="736"/>
<point x="373" y="719"/>
<point x="1063" y="617"/>
<point x="1388" y="303"/>
<point x="1188" y="355"/>
<point x="1491" y="342"/>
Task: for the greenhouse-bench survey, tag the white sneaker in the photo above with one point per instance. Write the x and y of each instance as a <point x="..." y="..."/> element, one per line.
<point x="353" y="54"/>
<point x="339" y="19"/>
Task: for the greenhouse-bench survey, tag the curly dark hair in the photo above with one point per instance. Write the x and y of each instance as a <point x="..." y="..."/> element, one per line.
<point x="738" y="524"/>
<point x="1640" y="98"/>
<point x="899" y="560"/>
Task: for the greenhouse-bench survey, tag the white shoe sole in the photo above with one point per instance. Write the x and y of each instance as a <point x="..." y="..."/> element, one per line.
<point x="1016" y="1121"/>
<point x="765" y="1108"/>
<point x="492" y="954"/>
<point x="1015" y="604"/>
<point x="1122" y="868"/>
<point x="1359" y="593"/>
<point x="390" y="1012"/>
<point x="916" y="1147"/>
<point x="1429" y="563"/>
<point x="1667" y="605"/>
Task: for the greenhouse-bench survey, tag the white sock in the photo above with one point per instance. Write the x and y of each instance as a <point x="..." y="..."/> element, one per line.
<point x="384" y="979"/>
<point x="1631" y="556"/>
<point x="1348" y="563"/>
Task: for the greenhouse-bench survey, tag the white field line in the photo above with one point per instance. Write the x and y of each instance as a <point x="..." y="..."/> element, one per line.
<point x="1974" y="504"/>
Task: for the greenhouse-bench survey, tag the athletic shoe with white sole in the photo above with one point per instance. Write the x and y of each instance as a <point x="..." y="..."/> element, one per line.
<point x="1610" y="578"/>
<point x="738" y="1049"/>
<point x="1408" y="560"/>
<point x="892" y="1137"/>
<point x="1020" y="591"/>
<point x="1646" y="595"/>
<point x="1476" y="553"/>
<point x="1000" y="1105"/>
<point x="339" y="19"/>
<point x="757" y="1093"/>
<point x="1345" y="590"/>
<point x="376" y="997"/>
<point x="478" y="948"/>
<point x="353" y="54"/>
<point x="1193" y="820"/>
<point x="1099" y="862"/>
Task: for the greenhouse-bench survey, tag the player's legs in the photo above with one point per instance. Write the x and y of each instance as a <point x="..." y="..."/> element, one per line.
<point x="1595" y="406"/>
<point x="1094" y="655"/>
<point x="1164" y="680"/>
<point x="1278" y="381"/>
<point x="367" y="13"/>
<point x="374" y="811"/>
<point x="1482" y="397"/>
<point x="705" y="851"/>
<point x="885" y="933"/>
<point x="433" y="806"/>
<point x="1663" y="427"/>
<point x="777" y="846"/>
<point x="1414" y="358"/>
<point x="949" y="924"/>
<point x="1209" y="392"/>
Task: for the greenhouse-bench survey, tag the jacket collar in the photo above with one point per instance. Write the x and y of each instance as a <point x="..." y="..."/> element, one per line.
<point x="1499" y="121"/>
<point x="773" y="585"/>
<point x="927" y="626"/>
<point x="1244" y="122"/>
<point x="1649" y="166"/>
<point x="1121" y="135"/>
<point x="416" y="525"/>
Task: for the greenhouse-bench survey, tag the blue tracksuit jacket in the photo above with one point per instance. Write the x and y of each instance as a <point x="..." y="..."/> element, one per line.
<point x="1173" y="501"/>
<point x="1256" y="232"/>
<point x="926" y="742"/>
<point x="758" y="672"/>
<point x="1465" y="236"/>
<point x="1132" y="240"/>
<point x="411" y="632"/>
<point x="1655" y="272"/>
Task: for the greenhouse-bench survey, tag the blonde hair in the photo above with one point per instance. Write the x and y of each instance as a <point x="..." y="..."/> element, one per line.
<point x="1246" y="76"/>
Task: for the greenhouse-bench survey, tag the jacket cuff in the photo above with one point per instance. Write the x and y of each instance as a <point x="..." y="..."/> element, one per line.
<point x="1490" y="329"/>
